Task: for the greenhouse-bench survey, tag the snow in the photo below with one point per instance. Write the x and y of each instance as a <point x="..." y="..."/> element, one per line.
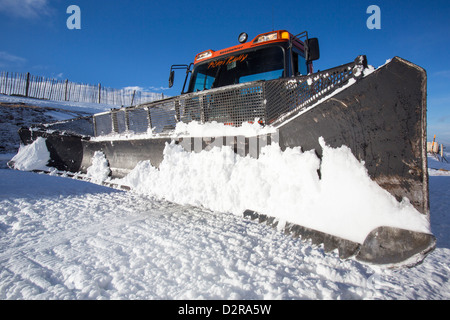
<point x="31" y="157"/>
<point x="99" y="171"/>
<point x="438" y="166"/>
<point x="284" y="185"/>
<point x="76" y="107"/>
<point x="214" y="129"/>
<point x="62" y="238"/>
<point x="67" y="239"/>
<point x="195" y="129"/>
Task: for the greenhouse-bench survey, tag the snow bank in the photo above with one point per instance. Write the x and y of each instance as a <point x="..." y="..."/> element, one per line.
<point x="34" y="156"/>
<point x="82" y="107"/>
<point x="344" y="201"/>
<point x="438" y="166"/>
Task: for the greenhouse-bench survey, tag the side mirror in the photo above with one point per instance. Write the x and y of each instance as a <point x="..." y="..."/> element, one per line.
<point x="176" y="67"/>
<point x="312" y="51"/>
<point x="171" y="77"/>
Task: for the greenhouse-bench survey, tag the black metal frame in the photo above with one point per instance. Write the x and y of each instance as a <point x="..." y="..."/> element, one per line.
<point x="179" y="67"/>
<point x="268" y="102"/>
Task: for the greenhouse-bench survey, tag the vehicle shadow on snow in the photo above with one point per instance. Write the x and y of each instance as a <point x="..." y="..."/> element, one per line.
<point x="15" y="184"/>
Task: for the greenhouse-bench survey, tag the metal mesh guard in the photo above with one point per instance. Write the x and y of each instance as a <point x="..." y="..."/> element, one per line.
<point x="264" y="101"/>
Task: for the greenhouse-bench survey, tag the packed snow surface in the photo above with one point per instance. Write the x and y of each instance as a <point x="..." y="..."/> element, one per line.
<point x="68" y="239"/>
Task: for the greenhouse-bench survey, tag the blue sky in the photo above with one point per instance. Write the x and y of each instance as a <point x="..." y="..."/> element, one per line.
<point x="134" y="43"/>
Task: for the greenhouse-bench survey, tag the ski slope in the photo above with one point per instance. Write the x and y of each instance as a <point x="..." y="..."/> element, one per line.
<point x="62" y="238"/>
<point x="68" y="239"/>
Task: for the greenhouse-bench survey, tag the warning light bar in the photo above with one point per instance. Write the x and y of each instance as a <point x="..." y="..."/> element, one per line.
<point x="266" y="37"/>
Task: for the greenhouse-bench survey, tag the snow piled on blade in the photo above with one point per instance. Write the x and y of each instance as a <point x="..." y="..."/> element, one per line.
<point x="99" y="171"/>
<point x="343" y="201"/>
<point x="34" y="156"/>
<point x="360" y="204"/>
<point x="215" y="129"/>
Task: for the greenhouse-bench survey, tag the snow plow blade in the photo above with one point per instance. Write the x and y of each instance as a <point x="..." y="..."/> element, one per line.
<point x="383" y="246"/>
<point x="380" y="115"/>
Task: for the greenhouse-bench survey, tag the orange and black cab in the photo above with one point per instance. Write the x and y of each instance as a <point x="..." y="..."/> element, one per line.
<point x="272" y="55"/>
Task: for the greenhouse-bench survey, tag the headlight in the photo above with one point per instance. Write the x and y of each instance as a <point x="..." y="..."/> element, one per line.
<point x="243" y="37"/>
<point x="266" y="37"/>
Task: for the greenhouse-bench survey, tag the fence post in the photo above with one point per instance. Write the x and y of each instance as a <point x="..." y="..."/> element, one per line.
<point x="45" y="88"/>
<point x="27" y="87"/>
<point x="99" y="93"/>
<point x="51" y="90"/>
<point x="5" y="86"/>
<point x="65" y="94"/>
<point x="132" y="99"/>
<point x="149" y="118"/>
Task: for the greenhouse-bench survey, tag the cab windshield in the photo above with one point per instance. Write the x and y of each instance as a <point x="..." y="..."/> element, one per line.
<point x="261" y="64"/>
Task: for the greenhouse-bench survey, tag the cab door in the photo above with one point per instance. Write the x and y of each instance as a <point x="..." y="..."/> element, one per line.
<point x="298" y="63"/>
